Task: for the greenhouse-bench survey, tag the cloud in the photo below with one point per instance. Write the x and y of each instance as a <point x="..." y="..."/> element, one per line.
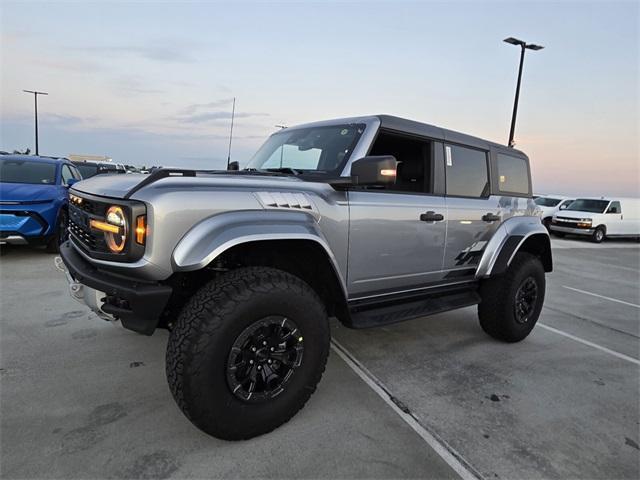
<point x="157" y="53"/>
<point x="218" y="115"/>
<point x="201" y="106"/>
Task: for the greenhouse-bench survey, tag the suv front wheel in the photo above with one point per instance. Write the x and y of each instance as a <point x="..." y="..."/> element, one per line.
<point x="247" y="352"/>
<point x="511" y="302"/>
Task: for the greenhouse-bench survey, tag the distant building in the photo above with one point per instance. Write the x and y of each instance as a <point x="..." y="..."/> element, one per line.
<point x="75" y="157"/>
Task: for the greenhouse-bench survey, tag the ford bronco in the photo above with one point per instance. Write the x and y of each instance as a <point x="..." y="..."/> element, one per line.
<point x="370" y="220"/>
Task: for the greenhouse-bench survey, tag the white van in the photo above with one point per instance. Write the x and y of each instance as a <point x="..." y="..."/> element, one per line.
<point x="549" y="205"/>
<point x="599" y="218"/>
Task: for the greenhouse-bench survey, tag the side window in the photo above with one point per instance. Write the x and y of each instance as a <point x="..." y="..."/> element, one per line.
<point x="76" y="173"/>
<point x="66" y="174"/>
<point x="614" y="208"/>
<point x="467" y="173"/>
<point x="413" y="172"/>
<point x="513" y="174"/>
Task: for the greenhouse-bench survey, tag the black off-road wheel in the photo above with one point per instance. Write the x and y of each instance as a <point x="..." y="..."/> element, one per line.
<point x="511" y="303"/>
<point x="60" y="235"/>
<point x="247" y="352"/>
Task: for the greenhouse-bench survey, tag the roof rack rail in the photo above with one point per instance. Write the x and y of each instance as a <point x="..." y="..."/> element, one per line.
<point x="163" y="173"/>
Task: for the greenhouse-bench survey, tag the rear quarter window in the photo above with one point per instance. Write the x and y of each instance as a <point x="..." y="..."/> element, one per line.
<point x="513" y="175"/>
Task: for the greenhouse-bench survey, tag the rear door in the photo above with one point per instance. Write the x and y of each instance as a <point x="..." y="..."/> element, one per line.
<point x="473" y="214"/>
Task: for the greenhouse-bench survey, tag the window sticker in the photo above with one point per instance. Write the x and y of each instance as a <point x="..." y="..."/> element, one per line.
<point x="447" y="150"/>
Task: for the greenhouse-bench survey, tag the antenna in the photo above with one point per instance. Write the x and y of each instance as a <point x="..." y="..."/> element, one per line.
<point x="233" y="114"/>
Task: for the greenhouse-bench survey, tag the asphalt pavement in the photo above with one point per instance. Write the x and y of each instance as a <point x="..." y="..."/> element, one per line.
<point x="429" y="398"/>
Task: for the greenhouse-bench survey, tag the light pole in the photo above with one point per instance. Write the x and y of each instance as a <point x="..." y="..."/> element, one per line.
<point x="523" y="45"/>
<point x="35" y="98"/>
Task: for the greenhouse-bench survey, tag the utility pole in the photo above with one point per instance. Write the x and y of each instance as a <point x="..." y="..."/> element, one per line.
<point x="35" y="98"/>
<point x="233" y="114"/>
<point x="523" y="45"/>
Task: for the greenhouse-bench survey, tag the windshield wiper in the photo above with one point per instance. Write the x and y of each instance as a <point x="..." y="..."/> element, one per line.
<point x="290" y="170"/>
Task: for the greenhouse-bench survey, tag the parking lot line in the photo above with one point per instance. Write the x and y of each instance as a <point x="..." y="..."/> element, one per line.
<point x="448" y="454"/>
<point x="601" y="296"/>
<point x="590" y="344"/>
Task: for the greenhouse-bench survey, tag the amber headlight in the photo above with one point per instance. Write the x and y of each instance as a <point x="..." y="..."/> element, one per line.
<point x="115" y="229"/>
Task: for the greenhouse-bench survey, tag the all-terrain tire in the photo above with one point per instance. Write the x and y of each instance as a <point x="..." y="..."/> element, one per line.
<point x="498" y="308"/>
<point x="201" y="340"/>
<point x="60" y="235"/>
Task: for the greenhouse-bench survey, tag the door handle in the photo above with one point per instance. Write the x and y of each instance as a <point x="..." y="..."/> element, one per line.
<point x="490" y="217"/>
<point x="431" y="217"/>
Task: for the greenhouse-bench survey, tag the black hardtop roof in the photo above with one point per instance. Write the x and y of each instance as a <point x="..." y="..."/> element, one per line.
<point x="399" y="124"/>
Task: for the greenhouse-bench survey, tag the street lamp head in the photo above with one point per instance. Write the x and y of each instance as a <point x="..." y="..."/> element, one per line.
<point x="533" y="46"/>
<point x="514" y="41"/>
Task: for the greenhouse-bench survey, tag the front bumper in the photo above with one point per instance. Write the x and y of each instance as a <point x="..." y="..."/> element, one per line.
<point x="575" y="231"/>
<point x="31" y="222"/>
<point x="12" y="239"/>
<point x="136" y="303"/>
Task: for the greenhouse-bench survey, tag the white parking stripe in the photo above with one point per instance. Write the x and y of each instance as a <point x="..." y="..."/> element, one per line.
<point x="448" y="454"/>
<point x="601" y="296"/>
<point x="590" y="344"/>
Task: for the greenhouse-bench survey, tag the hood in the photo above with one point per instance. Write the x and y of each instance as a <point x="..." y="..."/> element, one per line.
<point x="575" y="214"/>
<point x="117" y="186"/>
<point x="545" y="210"/>
<point x="109" y="185"/>
<point x="27" y="192"/>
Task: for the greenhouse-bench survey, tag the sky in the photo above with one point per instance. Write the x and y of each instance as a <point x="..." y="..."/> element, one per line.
<point x="151" y="83"/>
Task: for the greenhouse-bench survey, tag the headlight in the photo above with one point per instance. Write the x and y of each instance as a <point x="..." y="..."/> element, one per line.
<point x="115" y="229"/>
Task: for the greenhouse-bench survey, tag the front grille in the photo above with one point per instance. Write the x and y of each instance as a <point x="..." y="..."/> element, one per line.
<point x="79" y="218"/>
<point x="84" y="208"/>
<point x="86" y="239"/>
<point x="567" y="222"/>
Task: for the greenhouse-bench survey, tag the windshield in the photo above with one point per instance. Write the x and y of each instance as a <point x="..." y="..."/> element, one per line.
<point x="25" y="171"/>
<point x="87" y="170"/>
<point x="586" y="205"/>
<point x="546" y="201"/>
<point x="313" y="149"/>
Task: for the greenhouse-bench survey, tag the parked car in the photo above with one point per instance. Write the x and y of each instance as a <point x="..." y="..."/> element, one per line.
<point x="33" y="199"/>
<point x="599" y="218"/>
<point x="548" y="205"/>
<point x="89" y="168"/>
<point x="372" y="220"/>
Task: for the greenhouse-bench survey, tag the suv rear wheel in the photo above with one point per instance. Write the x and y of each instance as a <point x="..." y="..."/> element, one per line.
<point x="247" y="352"/>
<point x="511" y="303"/>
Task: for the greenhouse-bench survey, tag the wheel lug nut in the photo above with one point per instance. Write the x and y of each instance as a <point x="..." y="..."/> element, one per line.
<point x="253" y="349"/>
<point x="264" y="343"/>
<point x="272" y="349"/>
<point x="250" y="362"/>
<point x="259" y="367"/>
<point x="269" y="361"/>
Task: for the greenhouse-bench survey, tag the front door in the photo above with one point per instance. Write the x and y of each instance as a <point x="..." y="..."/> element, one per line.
<point x="397" y="234"/>
<point x="390" y="247"/>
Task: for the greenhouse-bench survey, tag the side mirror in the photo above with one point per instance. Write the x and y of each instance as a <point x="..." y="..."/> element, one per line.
<point x="71" y="181"/>
<point x="563" y="207"/>
<point x="233" y="166"/>
<point x="374" y="170"/>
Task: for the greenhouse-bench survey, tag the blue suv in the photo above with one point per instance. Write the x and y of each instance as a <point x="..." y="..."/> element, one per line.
<point x="34" y="199"/>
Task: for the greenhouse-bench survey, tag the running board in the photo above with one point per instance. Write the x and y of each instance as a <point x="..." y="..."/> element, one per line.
<point x="368" y="315"/>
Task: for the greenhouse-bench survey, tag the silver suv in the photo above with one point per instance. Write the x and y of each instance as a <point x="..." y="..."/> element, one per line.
<point x="372" y="220"/>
